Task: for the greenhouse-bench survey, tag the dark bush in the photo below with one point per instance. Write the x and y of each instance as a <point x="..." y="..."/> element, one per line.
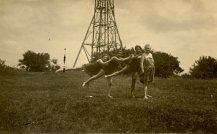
<point x="4" y="69"/>
<point x="38" y="62"/>
<point x="166" y="65"/>
<point x="204" y="68"/>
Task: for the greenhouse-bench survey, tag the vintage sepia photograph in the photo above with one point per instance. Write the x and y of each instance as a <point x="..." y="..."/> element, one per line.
<point x="108" y="66"/>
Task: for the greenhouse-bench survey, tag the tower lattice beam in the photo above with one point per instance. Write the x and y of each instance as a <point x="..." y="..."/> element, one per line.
<point x="102" y="34"/>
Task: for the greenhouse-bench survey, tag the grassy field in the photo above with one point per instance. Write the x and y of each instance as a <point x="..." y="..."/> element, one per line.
<point x="48" y="103"/>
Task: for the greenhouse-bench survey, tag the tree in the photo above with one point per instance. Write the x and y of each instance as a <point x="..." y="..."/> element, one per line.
<point x="166" y="64"/>
<point x="35" y="62"/>
<point x="186" y="76"/>
<point x="53" y="66"/>
<point x="204" y="68"/>
<point x="4" y="69"/>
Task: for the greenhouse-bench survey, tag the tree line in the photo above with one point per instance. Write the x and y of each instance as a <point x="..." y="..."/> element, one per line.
<point x="205" y="68"/>
<point x="38" y="62"/>
<point x="166" y="65"/>
<point x="4" y="69"/>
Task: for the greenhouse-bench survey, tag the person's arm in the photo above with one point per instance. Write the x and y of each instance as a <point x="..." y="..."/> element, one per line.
<point x="106" y="62"/>
<point x="100" y="61"/>
<point x="142" y="62"/>
<point x="124" y="59"/>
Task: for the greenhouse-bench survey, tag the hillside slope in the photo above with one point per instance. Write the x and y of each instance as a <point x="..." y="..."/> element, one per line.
<point x="48" y="102"/>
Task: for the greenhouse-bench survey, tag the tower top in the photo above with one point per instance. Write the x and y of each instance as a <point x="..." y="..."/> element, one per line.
<point x="104" y="3"/>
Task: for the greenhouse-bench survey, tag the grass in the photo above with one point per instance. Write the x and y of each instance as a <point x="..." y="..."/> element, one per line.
<point x="56" y="103"/>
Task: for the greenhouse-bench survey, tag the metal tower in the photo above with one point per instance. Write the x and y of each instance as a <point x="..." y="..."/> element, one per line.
<point x="102" y="34"/>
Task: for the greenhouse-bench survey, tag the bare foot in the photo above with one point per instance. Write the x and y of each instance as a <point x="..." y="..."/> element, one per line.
<point x="149" y="96"/>
<point x="110" y="97"/>
<point x="145" y="97"/>
<point x="89" y="96"/>
<point x="84" y="84"/>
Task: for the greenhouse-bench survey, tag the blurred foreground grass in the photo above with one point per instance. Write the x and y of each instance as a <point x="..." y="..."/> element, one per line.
<point x="49" y="102"/>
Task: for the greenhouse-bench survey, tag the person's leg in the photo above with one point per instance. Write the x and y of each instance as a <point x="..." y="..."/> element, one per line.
<point x="123" y="59"/>
<point x="98" y="75"/>
<point x="109" y="81"/>
<point x="151" y="77"/>
<point x="147" y="91"/>
<point x="118" y="72"/>
<point x="88" y="90"/>
<point x="134" y="77"/>
<point x="152" y="74"/>
<point x="148" y="78"/>
<point x="144" y="80"/>
<point x="145" y="86"/>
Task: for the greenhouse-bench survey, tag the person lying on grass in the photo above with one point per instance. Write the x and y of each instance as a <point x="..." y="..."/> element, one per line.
<point x="141" y="63"/>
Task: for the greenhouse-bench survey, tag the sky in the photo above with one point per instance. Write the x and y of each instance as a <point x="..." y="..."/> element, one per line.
<point x="186" y="29"/>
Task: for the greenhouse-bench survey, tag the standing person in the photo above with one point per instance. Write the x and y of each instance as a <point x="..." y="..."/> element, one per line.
<point x="141" y="64"/>
<point x="132" y="64"/>
<point x="146" y="74"/>
<point x="99" y="68"/>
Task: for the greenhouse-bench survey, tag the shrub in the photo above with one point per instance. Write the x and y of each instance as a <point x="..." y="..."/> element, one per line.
<point x="205" y="68"/>
<point x="4" y="69"/>
<point x="38" y="62"/>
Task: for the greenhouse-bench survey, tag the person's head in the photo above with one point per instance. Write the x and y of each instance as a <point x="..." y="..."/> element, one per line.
<point x="105" y="57"/>
<point x="147" y="48"/>
<point x="138" y="49"/>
